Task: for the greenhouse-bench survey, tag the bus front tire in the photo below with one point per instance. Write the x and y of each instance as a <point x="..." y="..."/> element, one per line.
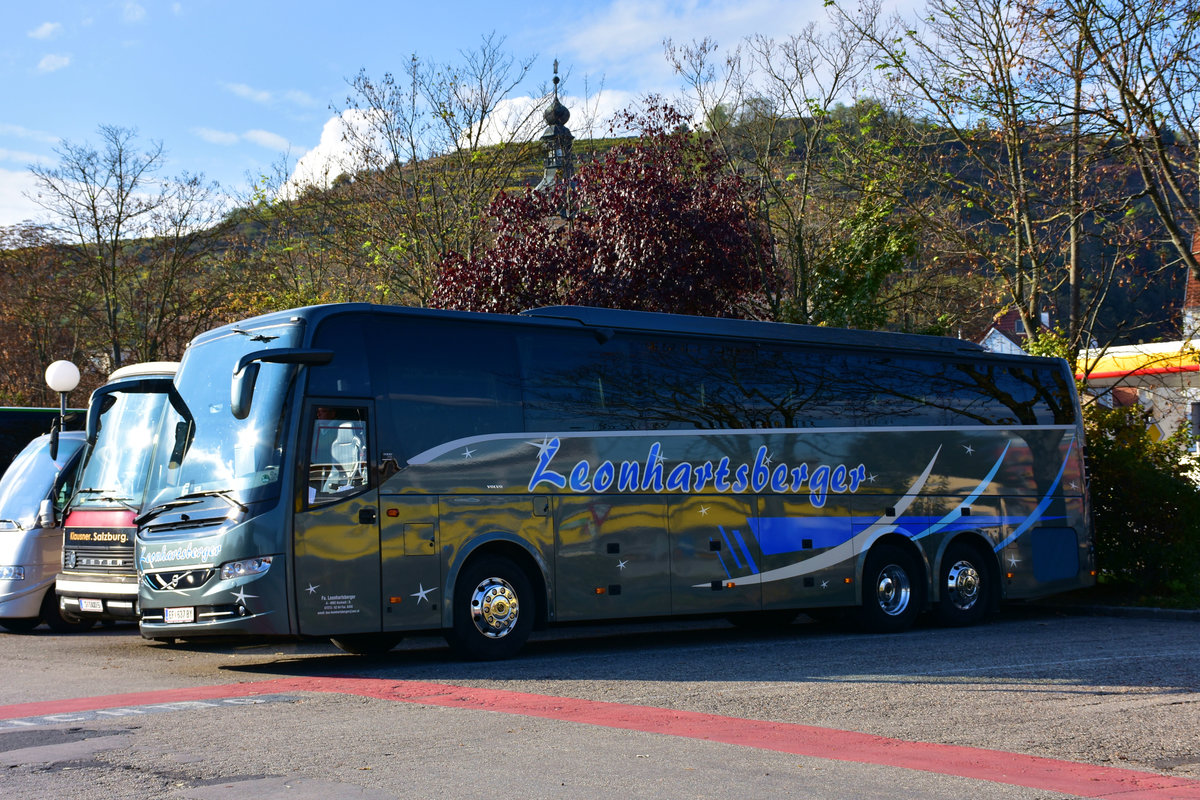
<point x="19" y="624"/>
<point x="60" y="622"/>
<point x="494" y="610"/>
<point x="964" y="586"/>
<point x="893" y="590"/>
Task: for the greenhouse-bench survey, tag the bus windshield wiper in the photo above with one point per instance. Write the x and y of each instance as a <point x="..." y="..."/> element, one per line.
<point x="111" y="498"/>
<point x="224" y="494"/>
<point x="191" y="499"/>
<point x="161" y="507"/>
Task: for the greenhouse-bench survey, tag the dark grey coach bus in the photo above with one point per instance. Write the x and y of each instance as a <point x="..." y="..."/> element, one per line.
<point x="358" y="471"/>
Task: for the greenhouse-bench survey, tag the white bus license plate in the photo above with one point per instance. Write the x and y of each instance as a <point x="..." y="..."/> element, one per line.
<point x="180" y="615"/>
<point x="89" y="604"/>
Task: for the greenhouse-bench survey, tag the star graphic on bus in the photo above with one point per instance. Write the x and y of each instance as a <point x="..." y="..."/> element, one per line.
<point x="422" y="593"/>
<point x="468" y="452"/>
<point x="1013" y="561"/>
<point x="312" y="589"/>
<point x="968" y="449"/>
<point x="704" y="511"/>
<point x="241" y="596"/>
<point x="543" y="446"/>
<point x="621" y="565"/>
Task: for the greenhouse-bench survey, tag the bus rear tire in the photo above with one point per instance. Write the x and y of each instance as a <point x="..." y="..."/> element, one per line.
<point x="366" y="644"/>
<point x="494" y="610"/>
<point x="893" y="590"/>
<point x="965" y="586"/>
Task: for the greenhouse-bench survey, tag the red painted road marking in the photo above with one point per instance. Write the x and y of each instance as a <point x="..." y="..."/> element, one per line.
<point x="1083" y="780"/>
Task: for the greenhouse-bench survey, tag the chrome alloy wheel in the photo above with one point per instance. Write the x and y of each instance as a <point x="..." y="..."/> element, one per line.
<point x="893" y="591"/>
<point x="962" y="585"/>
<point x="495" y="607"/>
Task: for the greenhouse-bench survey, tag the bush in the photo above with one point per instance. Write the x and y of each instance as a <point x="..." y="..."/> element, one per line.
<point x="1146" y="509"/>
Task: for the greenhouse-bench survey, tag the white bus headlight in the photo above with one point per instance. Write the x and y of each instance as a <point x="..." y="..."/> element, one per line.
<point x="12" y="573"/>
<point x="249" y="566"/>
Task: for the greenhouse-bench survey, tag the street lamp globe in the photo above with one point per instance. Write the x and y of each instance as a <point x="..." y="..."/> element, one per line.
<point x="62" y="376"/>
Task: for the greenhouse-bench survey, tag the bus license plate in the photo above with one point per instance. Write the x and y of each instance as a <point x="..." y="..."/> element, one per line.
<point x="180" y="615"/>
<point x="89" y="604"/>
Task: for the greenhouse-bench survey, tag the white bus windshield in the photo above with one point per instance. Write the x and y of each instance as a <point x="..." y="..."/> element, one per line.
<point x="118" y="462"/>
<point x="224" y="453"/>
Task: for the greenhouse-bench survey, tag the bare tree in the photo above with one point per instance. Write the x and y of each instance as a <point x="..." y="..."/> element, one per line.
<point x="429" y="149"/>
<point x="1020" y="175"/>
<point x="139" y="242"/>
<point x="776" y="110"/>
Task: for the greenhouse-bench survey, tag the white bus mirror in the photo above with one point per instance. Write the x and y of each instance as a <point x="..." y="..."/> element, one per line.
<point x="46" y="517"/>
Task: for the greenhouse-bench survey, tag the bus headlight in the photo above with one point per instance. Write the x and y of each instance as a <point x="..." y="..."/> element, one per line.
<point x="249" y="566"/>
<point x="12" y="573"/>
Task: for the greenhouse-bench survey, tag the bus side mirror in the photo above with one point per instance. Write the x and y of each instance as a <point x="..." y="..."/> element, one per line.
<point x="46" y="518"/>
<point x="183" y="440"/>
<point x="242" y="389"/>
<point x="54" y="440"/>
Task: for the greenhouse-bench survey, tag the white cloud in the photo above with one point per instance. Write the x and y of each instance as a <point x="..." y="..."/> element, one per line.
<point x="47" y="30"/>
<point x="626" y="37"/>
<point x="15" y="207"/>
<point x="272" y="141"/>
<point x="23" y="157"/>
<point x="27" y="133"/>
<point x="216" y="137"/>
<point x="248" y="92"/>
<point x="133" y="12"/>
<point x="332" y="156"/>
<point x="299" y="98"/>
<point x="53" y="62"/>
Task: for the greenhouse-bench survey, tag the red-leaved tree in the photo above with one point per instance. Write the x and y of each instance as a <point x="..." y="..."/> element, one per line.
<point x="657" y="225"/>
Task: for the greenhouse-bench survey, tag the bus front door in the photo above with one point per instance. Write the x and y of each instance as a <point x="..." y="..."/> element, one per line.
<point x="336" y="531"/>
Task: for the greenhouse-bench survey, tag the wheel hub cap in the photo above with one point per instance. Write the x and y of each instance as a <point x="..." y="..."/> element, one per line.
<point x="494" y="608"/>
<point x="962" y="584"/>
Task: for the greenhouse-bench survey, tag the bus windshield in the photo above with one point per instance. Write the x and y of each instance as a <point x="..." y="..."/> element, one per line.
<point x="117" y="464"/>
<point x="214" y="451"/>
<point x="29" y="478"/>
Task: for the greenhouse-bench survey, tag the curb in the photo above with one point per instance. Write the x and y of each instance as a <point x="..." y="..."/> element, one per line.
<point x="1128" y="612"/>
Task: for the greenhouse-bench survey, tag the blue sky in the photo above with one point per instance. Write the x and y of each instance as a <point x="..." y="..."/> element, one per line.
<point x="231" y="87"/>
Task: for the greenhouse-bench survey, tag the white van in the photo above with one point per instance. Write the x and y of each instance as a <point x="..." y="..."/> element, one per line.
<point x="33" y="493"/>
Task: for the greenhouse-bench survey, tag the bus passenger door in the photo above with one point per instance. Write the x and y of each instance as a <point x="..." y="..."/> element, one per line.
<point x="715" y="560"/>
<point x="336" y="529"/>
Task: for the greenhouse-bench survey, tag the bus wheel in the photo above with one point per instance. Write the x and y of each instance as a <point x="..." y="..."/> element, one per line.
<point x="493" y="610"/>
<point x="964" y="586"/>
<point x="893" y="590"/>
<point x="19" y="624"/>
<point x="59" y="622"/>
<point x="366" y="644"/>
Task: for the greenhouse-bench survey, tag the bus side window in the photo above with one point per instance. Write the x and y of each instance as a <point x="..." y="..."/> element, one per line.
<point x="338" y="457"/>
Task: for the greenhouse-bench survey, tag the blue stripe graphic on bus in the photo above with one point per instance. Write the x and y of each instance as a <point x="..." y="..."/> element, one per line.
<point x="1041" y="508"/>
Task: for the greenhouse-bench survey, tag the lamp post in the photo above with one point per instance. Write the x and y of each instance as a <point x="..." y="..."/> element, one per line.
<point x="61" y="377"/>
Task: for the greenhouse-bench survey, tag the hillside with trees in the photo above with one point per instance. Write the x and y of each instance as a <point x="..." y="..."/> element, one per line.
<point x="913" y="175"/>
